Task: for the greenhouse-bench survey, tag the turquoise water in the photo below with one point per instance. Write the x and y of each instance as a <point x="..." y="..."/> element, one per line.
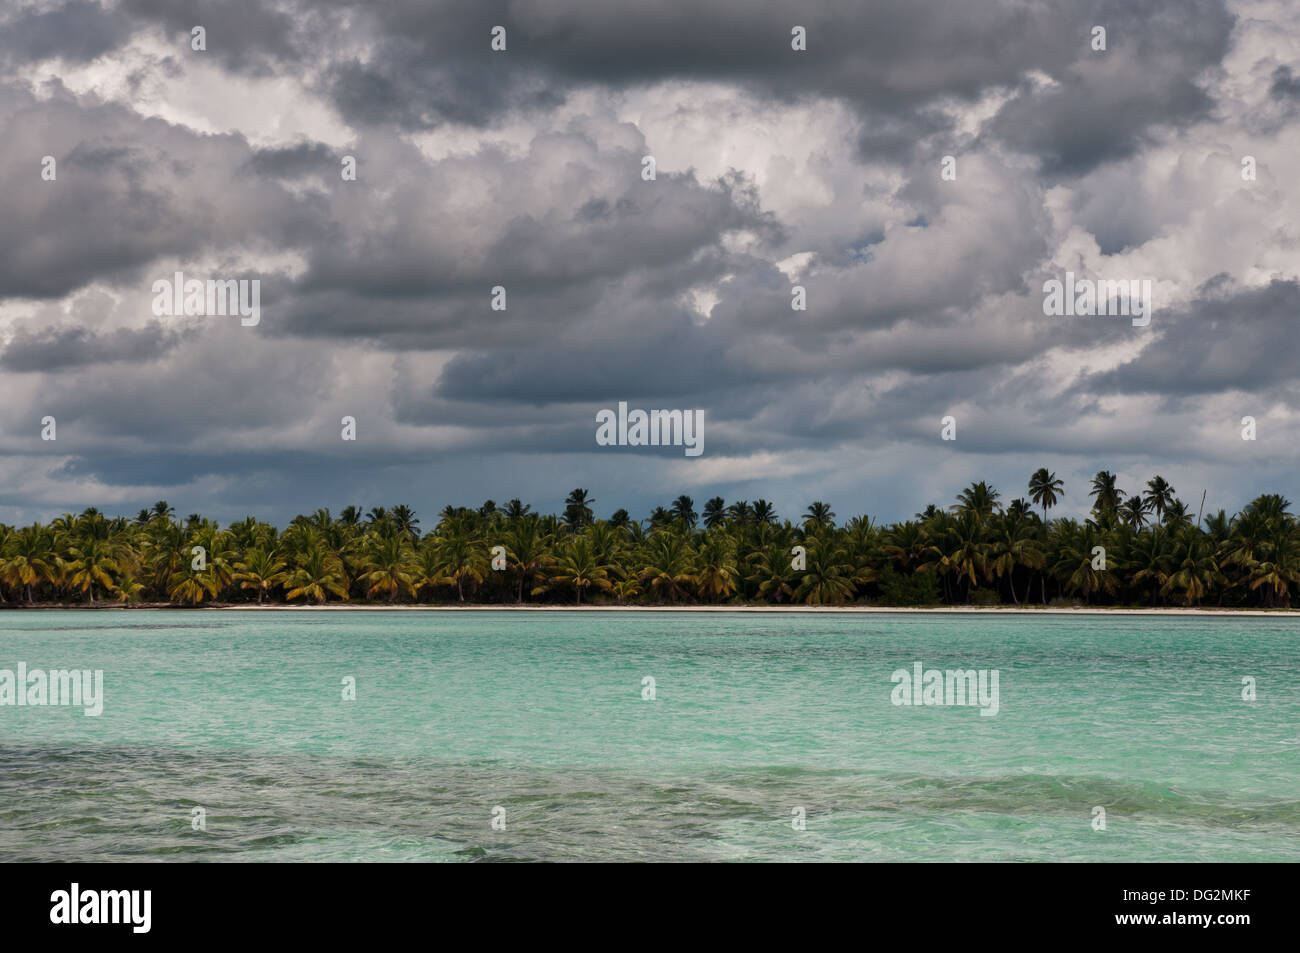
<point x="542" y="714"/>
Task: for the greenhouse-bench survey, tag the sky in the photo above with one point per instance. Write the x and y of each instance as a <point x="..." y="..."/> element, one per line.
<point x="523" y="168"/>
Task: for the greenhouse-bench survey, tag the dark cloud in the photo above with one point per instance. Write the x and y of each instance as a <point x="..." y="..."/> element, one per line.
<point x="522" y="169"/>
<point x="1285" y="85"/>
<point x="129" y="191"/>
<point x="77" y="32"/>
<point x="1226" y="341"/>
<point x="57" y="348"/>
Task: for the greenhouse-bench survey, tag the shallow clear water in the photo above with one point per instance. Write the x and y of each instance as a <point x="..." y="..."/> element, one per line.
<point x="542" y="714"/>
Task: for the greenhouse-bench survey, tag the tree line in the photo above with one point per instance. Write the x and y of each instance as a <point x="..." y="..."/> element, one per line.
<point x="1140" y="549"/>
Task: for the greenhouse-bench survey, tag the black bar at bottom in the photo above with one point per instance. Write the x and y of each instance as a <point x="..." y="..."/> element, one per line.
<point x="926" y="904"/>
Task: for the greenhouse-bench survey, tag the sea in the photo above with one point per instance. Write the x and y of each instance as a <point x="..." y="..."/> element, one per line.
<point x="478" y="736"/>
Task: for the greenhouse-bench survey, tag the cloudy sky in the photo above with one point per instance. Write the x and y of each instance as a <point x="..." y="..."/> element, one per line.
<point x="523" y="169"/>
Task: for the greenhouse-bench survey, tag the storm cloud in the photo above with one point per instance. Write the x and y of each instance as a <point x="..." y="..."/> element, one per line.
<point x="914" y="177"/>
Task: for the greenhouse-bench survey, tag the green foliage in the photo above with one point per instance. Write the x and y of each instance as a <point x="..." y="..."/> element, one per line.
<point x="912" y="589"/>
<point x="974" y="552"/>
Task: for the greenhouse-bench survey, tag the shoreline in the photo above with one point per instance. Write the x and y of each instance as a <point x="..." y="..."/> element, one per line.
<point x="803" y="610"/>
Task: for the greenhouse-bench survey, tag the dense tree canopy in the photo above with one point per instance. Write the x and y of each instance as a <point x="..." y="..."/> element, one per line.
<point x="1135" y="549"/>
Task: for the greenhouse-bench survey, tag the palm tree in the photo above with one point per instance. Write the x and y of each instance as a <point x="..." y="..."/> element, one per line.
<point x="515" y="510"/>
<point x="683" y="511"/>
<point x="741" y="512"/>
<point x="660" y="518"/>
<point x="1276" y="571"/>
<point x="819" y="516"/>
<point x="1159" y="495"/>
<point x="1106" y="495"/>
<point x="1012" y="544"/>
<point x="317" y="575"/>
<point x="967" y="557"/>
<point x="93" y="561"/>
<point x="715" y="511"/>
<point x="463" y="557"/>
<point x="260" y="570"/>
<point x="1150" y="562"/>
<point x="1134" y="511"/>
<point x="764" y="512"/>
<point x="31" y="559"/>
<point x="904" y="544"/>
<point x="1177" y="515"/>
<point x="1073" y="564"/>
<point x="716" y="572"/>
<point x="1193" y="567"/>
<point x="771" y="574"/>
<point x="386" y="562"/>
<point x="978" y="499"/>
<point x="528" y="549"/>
<point x="578" y="566"/>
<point x="577" y="509"/>
<point x="669" y="565"/>
<point x="828" y="578"/>
<point x="192" y="586"/>
<point x="1045" y="490"/>
<point x="406" y="521"/>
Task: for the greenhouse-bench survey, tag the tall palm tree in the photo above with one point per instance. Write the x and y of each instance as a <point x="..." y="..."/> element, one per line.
<point x="1106" y="495"/>
<point x="1159" y="495"/>
<point x="1045" y="490"/>
<point x="819" y="515"/>
<point x="406" y="521"/>
<point x="577" y="509"/>
<point x="715" y="512"/>
<point x="741" y="512"/>
<point x="683" y="511"/>
<point x="1134" y="511"/>
<point x="1012" y="544"/>
<point x="515" y="510"/>
<point x="529" y="552"/>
